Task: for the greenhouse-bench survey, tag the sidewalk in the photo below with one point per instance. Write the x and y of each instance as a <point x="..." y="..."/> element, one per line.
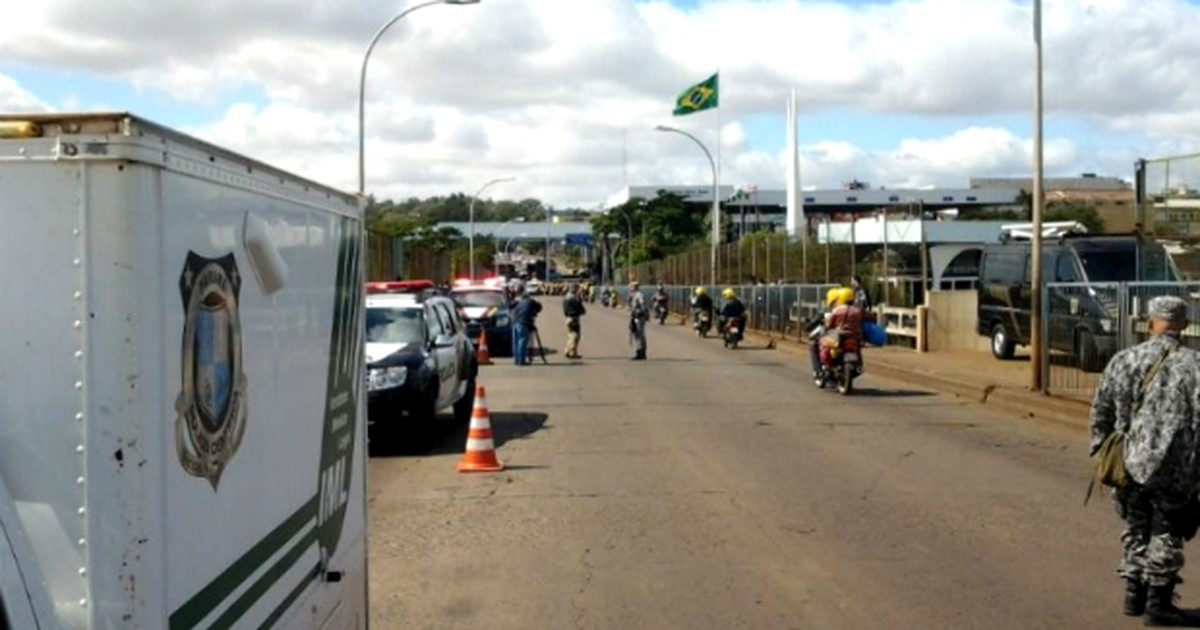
<point x="972" y="376"/>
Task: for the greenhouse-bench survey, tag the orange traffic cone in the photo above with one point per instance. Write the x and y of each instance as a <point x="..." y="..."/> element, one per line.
<point x="482" y="356"/>
<point x="480" y="455"/>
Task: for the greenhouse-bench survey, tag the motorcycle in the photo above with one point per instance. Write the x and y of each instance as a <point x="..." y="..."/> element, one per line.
<point x="702" y="323"/>
<point x="732" y="331"/>
<point x="660" y="311"/>
<point x="840" y="366"/>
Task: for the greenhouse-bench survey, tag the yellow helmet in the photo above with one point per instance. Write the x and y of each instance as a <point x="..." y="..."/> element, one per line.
<point x="699" y="290"/>
<point x="831" y="296"/>
<point x="728" y="293"/>
<point x="845" y="295"/>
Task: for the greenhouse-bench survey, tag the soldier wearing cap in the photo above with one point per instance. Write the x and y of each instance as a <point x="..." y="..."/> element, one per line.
<point x="638" y="314"/>
<point x="1151" y="394"/>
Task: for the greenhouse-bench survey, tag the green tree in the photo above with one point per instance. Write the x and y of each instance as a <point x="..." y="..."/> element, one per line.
<point x="1084" y="213"/>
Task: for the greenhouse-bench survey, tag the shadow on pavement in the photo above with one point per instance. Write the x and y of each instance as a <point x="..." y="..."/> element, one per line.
<point x="874" y="392"/>
<point x="449" y="437"/>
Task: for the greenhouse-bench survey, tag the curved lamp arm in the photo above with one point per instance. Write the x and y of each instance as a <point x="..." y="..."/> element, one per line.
<point x="362" y="80"/>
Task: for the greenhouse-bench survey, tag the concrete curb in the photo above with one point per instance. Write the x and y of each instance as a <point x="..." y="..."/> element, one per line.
<point x="1025" y="404"/>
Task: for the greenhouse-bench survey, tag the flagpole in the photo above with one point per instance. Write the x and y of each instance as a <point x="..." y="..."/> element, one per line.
<point x="717" y="186"/>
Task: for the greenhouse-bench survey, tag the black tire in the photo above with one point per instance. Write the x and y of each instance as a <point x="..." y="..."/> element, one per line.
<point x="1086" y="354"/>
<point x="1002" y="344"/>
<point x="384" y="436"/>
<point x="466" y="404"/>
<point x="423" y="420"/>
<point x="845" y="381"/>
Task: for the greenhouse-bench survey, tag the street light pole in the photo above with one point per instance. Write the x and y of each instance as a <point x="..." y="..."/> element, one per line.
<point x="362" y="82"/>
<point x="1036" y="339"/>
<point x="471" y="220"/>
<point x="496" y="237"/>
<point x="628" y="244"/>
<point x="716" y="207"/>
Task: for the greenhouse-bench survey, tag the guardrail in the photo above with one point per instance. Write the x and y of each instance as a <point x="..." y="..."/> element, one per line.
<point x="907" y="323"/>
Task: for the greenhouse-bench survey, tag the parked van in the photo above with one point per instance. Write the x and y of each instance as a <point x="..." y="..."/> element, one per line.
<point x="1085" y="320"/>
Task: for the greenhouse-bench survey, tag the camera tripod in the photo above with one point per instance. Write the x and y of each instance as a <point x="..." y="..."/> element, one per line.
<point x="536" y="337"/>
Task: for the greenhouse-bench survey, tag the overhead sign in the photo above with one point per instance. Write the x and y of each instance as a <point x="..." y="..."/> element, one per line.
<point x="583" y="240"/>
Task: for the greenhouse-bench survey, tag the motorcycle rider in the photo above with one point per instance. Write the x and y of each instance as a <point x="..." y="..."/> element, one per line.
<point x="816" y="328"/>
<point x="843" y="322"/>
<point x="661" y="300"/>
<point x="733" y="310"/>
<point x="701" y="303"/>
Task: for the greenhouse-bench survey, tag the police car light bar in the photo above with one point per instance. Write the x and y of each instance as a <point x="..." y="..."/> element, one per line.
<point x="399" y="286"/>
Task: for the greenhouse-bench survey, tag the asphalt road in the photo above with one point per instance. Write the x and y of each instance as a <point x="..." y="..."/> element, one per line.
<point x="708" y="488"/>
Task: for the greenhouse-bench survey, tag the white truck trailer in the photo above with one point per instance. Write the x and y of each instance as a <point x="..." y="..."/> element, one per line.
<point x="181" y="372"/>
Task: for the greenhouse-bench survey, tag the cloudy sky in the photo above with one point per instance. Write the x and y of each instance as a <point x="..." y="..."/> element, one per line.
<point x="563" y="95"/>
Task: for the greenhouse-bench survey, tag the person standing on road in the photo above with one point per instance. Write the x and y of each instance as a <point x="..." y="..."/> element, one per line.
<point x="573" y="309"/>
<point x="638" y="315"/>
<point x="1150" y="394"/>
<point x="861" y="298"/>
<point x="524" y="315"/>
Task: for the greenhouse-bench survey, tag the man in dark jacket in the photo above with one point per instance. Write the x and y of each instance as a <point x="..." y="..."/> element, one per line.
<point x="733" y="310"/>
<point x="573" y="309"/>
<point x="524" y="313"/>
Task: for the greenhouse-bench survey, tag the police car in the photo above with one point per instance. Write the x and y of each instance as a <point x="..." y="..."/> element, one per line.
<point x="419" y="359"/>
<point x="484" y="308"/>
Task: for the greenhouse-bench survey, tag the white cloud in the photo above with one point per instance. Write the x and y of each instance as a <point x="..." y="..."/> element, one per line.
<point x="15" y="98"/>
<point x="564" y="94"/>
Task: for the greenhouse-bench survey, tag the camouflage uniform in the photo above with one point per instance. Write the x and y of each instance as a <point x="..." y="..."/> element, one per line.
<point x="638" y="314"/>
<point x="1160" y="450"/>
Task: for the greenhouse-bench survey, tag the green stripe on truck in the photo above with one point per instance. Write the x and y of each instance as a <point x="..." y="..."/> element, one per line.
<point x="203" y="602"/>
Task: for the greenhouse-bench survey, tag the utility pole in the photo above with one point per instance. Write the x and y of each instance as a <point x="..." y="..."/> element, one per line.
<point x="1036" y="342"/>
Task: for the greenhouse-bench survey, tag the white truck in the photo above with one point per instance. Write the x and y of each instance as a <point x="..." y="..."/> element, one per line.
<point x="182" y="439"/>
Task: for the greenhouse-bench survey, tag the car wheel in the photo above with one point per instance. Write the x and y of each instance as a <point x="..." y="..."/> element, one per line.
<point x="1002" y="346"/>
<point x="383" y="436"/>
<point x="424" y="416"/>
<point x="465" y="405"/>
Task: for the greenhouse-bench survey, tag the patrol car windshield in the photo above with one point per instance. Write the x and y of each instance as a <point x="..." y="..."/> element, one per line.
<point x="467" y="299"/>
<point x="1110" y="266"/>
<point x="395" y="325"/>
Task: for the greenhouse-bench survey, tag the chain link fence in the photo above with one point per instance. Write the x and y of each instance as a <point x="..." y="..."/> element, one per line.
<point x="763" y="257"/>
<point x="1086" y="324"/>
<point x="390" y="258"/>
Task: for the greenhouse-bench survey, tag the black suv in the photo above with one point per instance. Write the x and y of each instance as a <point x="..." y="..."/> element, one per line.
<point x="419" y="361"/>
<point x="1083" y="312"/>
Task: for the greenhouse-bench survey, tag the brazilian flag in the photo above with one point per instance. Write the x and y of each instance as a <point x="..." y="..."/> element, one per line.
<point x="697" y="98"/>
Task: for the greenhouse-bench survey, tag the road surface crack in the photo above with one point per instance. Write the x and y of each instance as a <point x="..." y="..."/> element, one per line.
<point x="588" y="571"/>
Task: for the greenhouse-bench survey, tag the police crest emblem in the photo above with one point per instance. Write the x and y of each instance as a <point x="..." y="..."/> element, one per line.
<point x="211" y="406"/>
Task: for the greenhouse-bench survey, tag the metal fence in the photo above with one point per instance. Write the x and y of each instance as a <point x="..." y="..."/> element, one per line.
<point x="774" y="309"/>
<point x="763" y="257"/>
<point x="389" y="258"/>
<point x="1086" y="324"/>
